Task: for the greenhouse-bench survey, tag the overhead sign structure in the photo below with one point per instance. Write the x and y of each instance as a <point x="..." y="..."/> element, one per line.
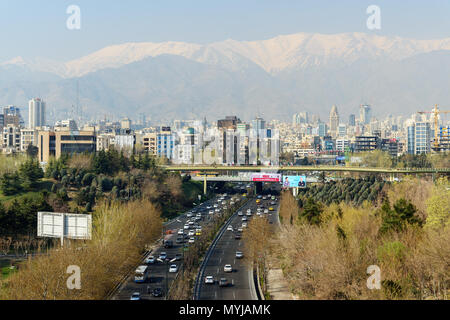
<point x="294" y="181"/>
<point x="64" y="225"/>
<point x="266" y="177"/>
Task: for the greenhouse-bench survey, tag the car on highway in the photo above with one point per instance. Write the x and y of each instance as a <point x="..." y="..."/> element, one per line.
<point x="209" y="280"/>
<point x="191" y="240"/>
<point x="191" y="233"/>
<point x="216" y="205"/>
<point x="163" y="255"/>
<point x="240" y="229"/>
<point x="208" y="207"/>
<point x="135" y="296"/>
<point x="244" y="218"/>
<point x="223" y="282"/>
<point x="266" y="210"/>
<point x="249" y="214"/>
<point x="189" y="214"/>
<point x="237" y="236"/>
<point x="180" y="231"/>
<point x="173" y="268"/>
<point x="271" y="209"/>
<point x="211" y="211"/>
<point x="264" y="198"/>
<point x="180" y="240"/>
<point x="217" y="210"/>
<point x="240" y="213"/>
<point x="186" y="227"/>
<point x="168" y="244"/>
<point x="150" y="259"/>
<point x="178" y="257"/>
<point x="228" y="268"/>
<point x="157" y="292"/>
<point x="239" y="255"/>
<point x="198" y="232"/>
<point x="244" y="225"/>
<point x="258" y="201"/>
<point x="230" y="228"/>
<point x="273" y="203"/>
<point x="259" y="196"/>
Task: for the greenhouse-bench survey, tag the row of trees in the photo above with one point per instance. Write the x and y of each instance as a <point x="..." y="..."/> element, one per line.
<point x="350" y="190"/>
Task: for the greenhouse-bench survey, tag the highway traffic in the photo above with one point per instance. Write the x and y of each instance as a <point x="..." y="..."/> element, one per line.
<point x="227" y="274"/>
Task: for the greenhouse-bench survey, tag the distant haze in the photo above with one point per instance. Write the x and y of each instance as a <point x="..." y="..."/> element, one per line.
<point x="272" y="78"/>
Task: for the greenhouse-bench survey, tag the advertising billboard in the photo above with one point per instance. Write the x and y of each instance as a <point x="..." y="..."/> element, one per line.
<point x="266" y="177"/>
<point x="68" y="225"/>
<point x="294" y="181"/>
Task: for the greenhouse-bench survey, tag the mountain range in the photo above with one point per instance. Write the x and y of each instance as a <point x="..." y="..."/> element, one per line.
<point x="273" y="78"/>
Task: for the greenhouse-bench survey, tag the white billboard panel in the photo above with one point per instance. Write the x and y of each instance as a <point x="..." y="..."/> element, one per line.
<point x="69" y="225"/>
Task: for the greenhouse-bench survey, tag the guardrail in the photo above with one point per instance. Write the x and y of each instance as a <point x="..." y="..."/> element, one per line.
<point x="209" y="252"/>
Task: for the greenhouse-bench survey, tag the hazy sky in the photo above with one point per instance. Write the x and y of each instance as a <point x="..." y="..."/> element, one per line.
<point x="31" y="28"/>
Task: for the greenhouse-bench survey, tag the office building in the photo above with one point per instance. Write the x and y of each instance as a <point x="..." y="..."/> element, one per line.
<point x="56" y="143"/>
<point x="365" y="114"/>
<point x="11" y="138"/>
<point x="36" y="113"/>
<point x="367" y="143"/>
<point x="334" y="121"/>
<point x="352" y="120"/>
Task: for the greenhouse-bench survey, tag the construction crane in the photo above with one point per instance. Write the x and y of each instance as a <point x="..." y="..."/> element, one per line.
<point x="436" y="113"/>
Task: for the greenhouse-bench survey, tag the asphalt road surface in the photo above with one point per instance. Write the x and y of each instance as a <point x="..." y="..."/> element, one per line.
<point x="159" y="270"/>
<point x="241" y="285"/>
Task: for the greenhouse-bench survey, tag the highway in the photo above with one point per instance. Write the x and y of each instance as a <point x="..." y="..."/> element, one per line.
<point x="241" y="284"/>
<point x="159" y="270"/>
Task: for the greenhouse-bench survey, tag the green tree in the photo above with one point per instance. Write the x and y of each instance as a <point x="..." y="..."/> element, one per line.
<point x="395" y="219"/>
<point x="30" y="173"/>
<point x="10" y="184"/>
<point x="311" y="211"/>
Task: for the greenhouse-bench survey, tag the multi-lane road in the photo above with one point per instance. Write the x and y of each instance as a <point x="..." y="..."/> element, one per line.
<point x="159" y="277"/>
<point x="241" y="284"/>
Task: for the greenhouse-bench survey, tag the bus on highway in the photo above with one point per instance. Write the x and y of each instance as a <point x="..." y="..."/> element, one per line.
<point x="141" y="274"/>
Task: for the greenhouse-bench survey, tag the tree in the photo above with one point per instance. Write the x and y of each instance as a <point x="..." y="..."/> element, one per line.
<point x="395" y="219"/>
<point x="30" y="172"/>
<point x="10" y="184"/>
<point x="32" y="151"/>
<point x="311" y="211"/>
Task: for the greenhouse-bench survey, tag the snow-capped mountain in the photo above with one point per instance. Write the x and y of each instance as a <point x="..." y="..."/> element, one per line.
<point x="275" y="77"/>
<point x="273" y="55"/>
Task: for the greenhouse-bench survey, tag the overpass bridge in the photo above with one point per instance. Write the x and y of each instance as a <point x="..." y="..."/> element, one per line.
<point x="282" y="169"/>
<point x="231" y="173"/>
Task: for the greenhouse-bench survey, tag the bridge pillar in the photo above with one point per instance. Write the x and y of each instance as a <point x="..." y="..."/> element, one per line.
<point x="205" y="185"/>
<point x="258" y="187"/>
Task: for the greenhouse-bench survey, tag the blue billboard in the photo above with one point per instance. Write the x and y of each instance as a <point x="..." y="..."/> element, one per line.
<point x="294" y="181"/>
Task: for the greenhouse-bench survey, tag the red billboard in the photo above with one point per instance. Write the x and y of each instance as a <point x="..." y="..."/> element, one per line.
<point x="266" y="177"/>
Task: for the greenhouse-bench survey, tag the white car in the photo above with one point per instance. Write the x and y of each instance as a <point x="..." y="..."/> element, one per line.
<point x="216" y="205"/>
<point x="266" y="210"/>
<point x="228" y="268"/>
<point x="249" y="210"/>
<point x="244" y="225"/>
<point x="150" y="259"/>
<point x="191" y="240"/>
<point x="173" y="268"/>
<point x="217" y="210"/>
<point x="211" y="211"/>
<point x="244" y="219"/>
<point x="239" y="255"/>
<point x="258" y="213"/>
<point x="230" y="228"/>
<point x="240" y="229"/>
<point x="209" y="280"/>
<point x="163" y="256"/>
<point x="186" y="227"/>
<point x="240" y="213"/>
<point x="180" y="231"/>
<point x="191" y="233"/>
<point x="189" y="214"/>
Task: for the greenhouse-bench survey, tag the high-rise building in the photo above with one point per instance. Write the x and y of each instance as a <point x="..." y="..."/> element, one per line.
<point x="365" y="114"/>
<point x="11" y="115"/>
<point x="352" y="120"/>
<point x="334" y="120"/>
<point x="36" y="113"/>
<point x="323" y="130"/>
